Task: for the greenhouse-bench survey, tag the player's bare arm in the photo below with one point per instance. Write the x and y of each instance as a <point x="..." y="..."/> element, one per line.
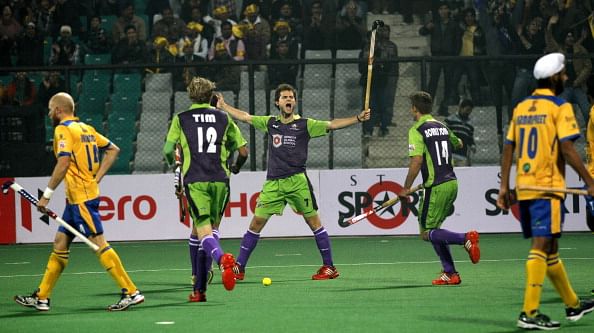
<point x="573" y="159"/>
<point x="503" y="200"/>
<point x="414" y="167"/>
<point x="338" y="123"/>
<point x="110" y="155"/>
<point x="58" y="175"/>
<point x="235" y="113"/>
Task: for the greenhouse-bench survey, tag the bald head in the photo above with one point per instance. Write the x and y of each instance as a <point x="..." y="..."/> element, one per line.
<point x="63" y="101"/>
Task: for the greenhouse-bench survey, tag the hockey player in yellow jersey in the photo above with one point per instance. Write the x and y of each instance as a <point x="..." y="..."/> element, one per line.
<point x="541" y="133"/>
<point x="77" y="148"/>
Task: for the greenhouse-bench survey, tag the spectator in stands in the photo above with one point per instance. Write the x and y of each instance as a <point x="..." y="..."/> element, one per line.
<point x="530" y="41"/>
<point x="66" y="13"/>
<point x="500" y="75"/>
<point x="159" y="55"/>
<point x="383" y="82"/>
<point x="286" y="14"/>
<point x="129" y="50"/>
<point x="43" y="18"/>
<point x="183" y="76"/>
<point x="188" y="6"/>
<point x="282" y="73"/>
<point x="256" y="33"/>
<point x="193" y="36"/>
<point x="208" y="31"/>
<point x="127" y="18"/>
<point x="350" y="27"/>
<point x="445" y="41"/>
<point x="473" y="43"/>
<point x="361" y="7"/>
<point x="578" y="65"/>
<point x="21" y="91"/>
<point x="168" y="25"/>
<point x="231" y="7"/>
<point x="96" y="40"/>
<point x="282" y="32"/>
<point x="51" y="84"/>
<point x="226" y="48"/>
<point x="9" y="27"/>
<point x="29" y="47"/>
<point x="382" y="7"/>
<point x="65" y="51"/>
<point x="220" y="14"/>
<point x="318" y="28"/>
<point x="460" y="124"/>
<point x="293" y="12"/>
<point x="153" y="10"/>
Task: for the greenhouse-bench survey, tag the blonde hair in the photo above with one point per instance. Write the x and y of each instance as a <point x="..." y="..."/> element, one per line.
<point x="200" y="90"/>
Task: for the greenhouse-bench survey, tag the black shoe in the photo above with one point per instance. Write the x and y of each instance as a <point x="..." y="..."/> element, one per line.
<point x="383" y="132"/>
<point x="575" y="314"/>
<point x="539" y="322"/>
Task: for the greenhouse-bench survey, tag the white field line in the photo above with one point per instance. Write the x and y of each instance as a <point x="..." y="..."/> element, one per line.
<point x="292" y="266"/>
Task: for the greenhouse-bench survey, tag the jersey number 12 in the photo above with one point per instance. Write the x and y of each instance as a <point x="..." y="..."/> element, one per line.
<point x="210" y="137"/>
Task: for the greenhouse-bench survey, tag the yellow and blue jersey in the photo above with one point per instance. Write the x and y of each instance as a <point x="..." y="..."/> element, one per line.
<point x="539" y="124"/>
<point x="81" y="143"/>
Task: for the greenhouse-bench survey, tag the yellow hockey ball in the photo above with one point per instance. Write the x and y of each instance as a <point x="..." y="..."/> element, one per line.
<point x="266" y="281"/>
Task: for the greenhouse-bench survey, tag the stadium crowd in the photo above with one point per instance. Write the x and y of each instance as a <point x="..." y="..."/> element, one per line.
<point x="195" y="32"/>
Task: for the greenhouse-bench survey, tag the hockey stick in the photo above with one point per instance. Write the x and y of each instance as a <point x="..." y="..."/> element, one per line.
<point x="377" y="208"/>
<point x="552" y="189"/>
<point x="179" y="184"/>
<point x="376" y="24"/>
<point x="20" y="190"/>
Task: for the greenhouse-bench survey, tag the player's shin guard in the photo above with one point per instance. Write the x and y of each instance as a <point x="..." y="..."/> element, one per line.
<point x="445" y="256"/>
<point x="113" y="265"/>
<point x="558" y="276"/>
<point x="212" y="248"/>
<point x="536" y="269"/>
<point x="193" y="244"/>
<point x="55" y="266"/>
<point x="248" y="244"/>
<point x="201" y="270"/>
<point x="323" y="242"/>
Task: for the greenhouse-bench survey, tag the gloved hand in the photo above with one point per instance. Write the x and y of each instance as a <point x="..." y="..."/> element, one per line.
<point x="234" y="169"/>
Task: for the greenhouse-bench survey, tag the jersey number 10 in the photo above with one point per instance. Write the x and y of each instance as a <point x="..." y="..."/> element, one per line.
<point x="532" y="142"/>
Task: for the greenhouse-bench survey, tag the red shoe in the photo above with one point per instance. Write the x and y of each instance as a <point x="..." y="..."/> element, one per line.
<point x="326" y="273"/>
<point x="472" y="246"/>
<point x="197" y="296"/>
<point x="447" y="279"/>
<point x="239" y="272"/>
<point x="228" y="277"/>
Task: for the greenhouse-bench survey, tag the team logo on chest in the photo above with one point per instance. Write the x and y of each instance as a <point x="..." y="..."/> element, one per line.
<point x="277" y="140"/>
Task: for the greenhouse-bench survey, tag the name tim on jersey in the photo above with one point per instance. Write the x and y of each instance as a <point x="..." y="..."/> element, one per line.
<point x="204" y="118"/>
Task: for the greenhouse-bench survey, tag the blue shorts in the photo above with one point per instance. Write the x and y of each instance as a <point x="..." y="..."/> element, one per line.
<point x="541" y="217"/>
<point x="84" y="217"/>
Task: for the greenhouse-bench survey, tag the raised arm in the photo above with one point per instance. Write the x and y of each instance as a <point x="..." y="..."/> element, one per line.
<point x="233" y="112"/>
<point x="345" y="122"/>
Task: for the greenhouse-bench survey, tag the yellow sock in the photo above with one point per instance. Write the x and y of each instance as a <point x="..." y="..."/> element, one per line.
<point x="558" y="276"/>
<point x="536" y="269"/>
<point x="55" y="266"/>
<point x="113" y="265"/>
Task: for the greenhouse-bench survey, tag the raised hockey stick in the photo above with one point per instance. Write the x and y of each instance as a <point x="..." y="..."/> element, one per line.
<point x="20" y="190"/>
<point x="376" y="24"/>
<point x="376" y="209"/>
